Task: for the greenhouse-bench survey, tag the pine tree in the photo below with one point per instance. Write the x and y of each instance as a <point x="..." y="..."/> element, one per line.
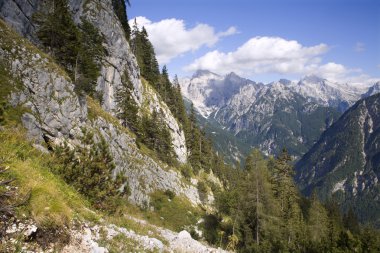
<point x="78" y="49"/>
<point x="90" y="55"/>
<point x="317" y="222"/>
<point x="287" y="195"/>
<point x="120" y="9"/>
<point x="128" y="109"/>
<point x="58" y="33"/>
<point x="145" y="55"/>
<point x="89" y="169"/>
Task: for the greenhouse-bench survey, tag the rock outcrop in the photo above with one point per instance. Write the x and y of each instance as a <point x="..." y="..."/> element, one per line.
<point x="119" y="60"/>
<point x="55" y="113"/>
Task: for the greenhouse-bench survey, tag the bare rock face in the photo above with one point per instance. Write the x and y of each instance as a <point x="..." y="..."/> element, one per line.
<point x="18" y="14"/>
<point x="54" y="113"/>
<point x="120" y="59"/>
<point x="144" y="175"/>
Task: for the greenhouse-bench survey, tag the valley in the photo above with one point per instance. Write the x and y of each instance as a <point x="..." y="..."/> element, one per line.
<point x="104" y="149"/>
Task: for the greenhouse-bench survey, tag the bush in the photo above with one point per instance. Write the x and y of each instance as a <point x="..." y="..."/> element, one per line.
<point x="202" y="190"/>
<point x="89" y="169"/>
<point x="186" y="171"/>
<point x="170" y="194"/>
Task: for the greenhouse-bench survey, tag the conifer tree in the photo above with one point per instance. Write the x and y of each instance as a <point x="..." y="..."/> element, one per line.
<point x="128" y="109"/>
<point x="89" y="169"/>
<point x="287" y="195"/>
<point x="78" y="49"/>
<point x="120" y="8"/>
<point x="317" y="222"/>
<point x="257" y="203"/>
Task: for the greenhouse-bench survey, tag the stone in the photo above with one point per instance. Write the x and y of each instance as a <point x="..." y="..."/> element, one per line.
<point x="184" y="235"/>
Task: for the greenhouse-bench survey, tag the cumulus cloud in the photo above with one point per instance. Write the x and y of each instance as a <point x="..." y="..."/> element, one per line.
<point x="275" y="55"/>
<point x="171" y="38"/>
<point x="263" y="55"/>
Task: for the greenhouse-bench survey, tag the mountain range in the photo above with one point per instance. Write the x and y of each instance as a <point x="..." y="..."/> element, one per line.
<point x="285" y="113"/>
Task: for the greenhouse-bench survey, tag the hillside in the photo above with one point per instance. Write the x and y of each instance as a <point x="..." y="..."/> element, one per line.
<point x="101" y="153"/>
<point x="74" y="134"/>
<point x="344" y="163"/>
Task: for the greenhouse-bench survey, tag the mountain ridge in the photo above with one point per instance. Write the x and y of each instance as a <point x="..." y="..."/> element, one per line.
<point x="344" y="163"/>
<point x="232" y="100"/>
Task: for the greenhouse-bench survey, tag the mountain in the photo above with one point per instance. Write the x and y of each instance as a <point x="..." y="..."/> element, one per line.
<point x="276" y="117"/>
<point x="209" y="91"/>
<point x="271" y="116"/>
<point x="327" y="93"/>
<point x="345" y="162"/>
<point x="225" y="142"/>
<point x="372" y="90"/>
<point x="82" y="173"/>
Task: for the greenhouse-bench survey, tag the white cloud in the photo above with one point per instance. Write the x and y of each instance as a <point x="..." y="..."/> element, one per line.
<point x="359" y="47"/>
<point x="265" y="55"/>
<point x="171" y="38"/>
<point x="274" y="55"/>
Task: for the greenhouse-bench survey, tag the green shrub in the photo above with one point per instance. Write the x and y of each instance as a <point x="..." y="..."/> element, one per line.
<point x="186" y="170"/>
<point x="89" y="169"/>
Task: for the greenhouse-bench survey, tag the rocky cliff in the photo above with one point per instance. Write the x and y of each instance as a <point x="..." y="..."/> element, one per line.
<point x="55" y="113"/>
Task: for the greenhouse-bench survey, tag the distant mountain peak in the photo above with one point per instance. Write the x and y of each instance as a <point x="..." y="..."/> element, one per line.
<point x="203" y="72"/>
<point x="285" y="81"/>
<point x="232" y="74"/>
<point x="312" y="79"/>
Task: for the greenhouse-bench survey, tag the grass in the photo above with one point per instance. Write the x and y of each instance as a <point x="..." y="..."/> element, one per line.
<point x="176" y="214"/>
<point x="52" y="202"/>
<point x="95" y="111"/>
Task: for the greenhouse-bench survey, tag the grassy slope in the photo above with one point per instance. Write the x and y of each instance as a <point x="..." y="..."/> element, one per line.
<point x="52" y="202"/>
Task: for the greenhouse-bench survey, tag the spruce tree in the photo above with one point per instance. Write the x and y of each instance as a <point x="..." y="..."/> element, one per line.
<point x="128" y="109"/>
<point x="318" y="223"/>
<point x="287" y="195"/>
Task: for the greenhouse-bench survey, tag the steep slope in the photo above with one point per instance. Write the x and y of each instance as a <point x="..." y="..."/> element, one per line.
<point x="55" y="114"/>
<point x="119" y="59"/>
<point x="37" y="94"/>
<point x="225" y="142"/>
<point x="345" y="162"/>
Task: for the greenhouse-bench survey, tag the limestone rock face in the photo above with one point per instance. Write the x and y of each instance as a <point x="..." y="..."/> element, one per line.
<point x="18" y="14"/>
<point x="53" y="109"/>
<point x="54" y="113"/>
<point x="144" y="175"/>
<point x="119" y="61"/>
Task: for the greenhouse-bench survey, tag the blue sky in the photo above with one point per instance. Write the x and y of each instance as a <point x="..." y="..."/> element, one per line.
<point x="266" y="39"/>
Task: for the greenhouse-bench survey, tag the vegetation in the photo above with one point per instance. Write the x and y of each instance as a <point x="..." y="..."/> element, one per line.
<point x="52" y="203"/>
<point x="89" y="169"/>
<point x="259" y="208"/>
<point x="264" y="212"/>
<point x="78" y="49"/>
<point x="120" y="9"/>
<point x="175" y="213"/>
